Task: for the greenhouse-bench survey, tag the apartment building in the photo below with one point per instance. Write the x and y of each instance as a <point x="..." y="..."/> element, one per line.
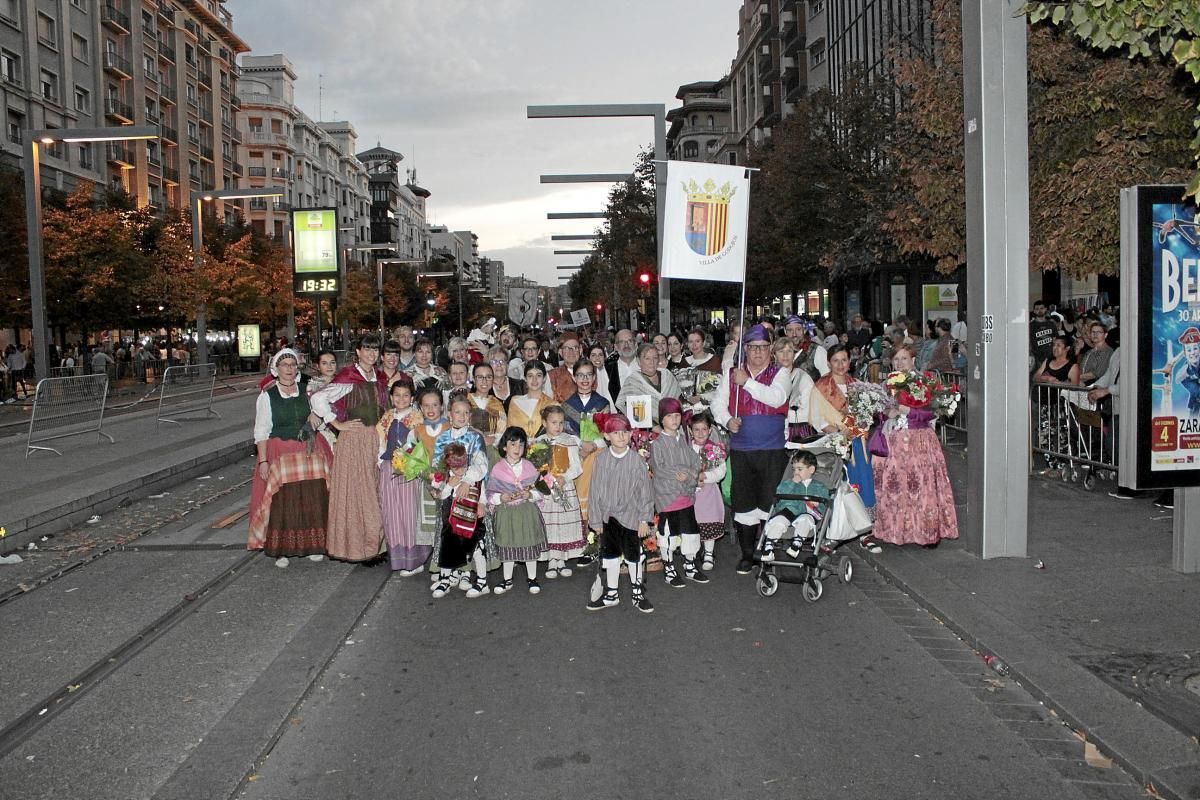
<point x="459" y="247"/>
<point x="102" y="63"/>
<point x="700" y="127"/>
<point x="491" y="277"/>
<point x="770" y="72"/>
<point x="312" y="162"/>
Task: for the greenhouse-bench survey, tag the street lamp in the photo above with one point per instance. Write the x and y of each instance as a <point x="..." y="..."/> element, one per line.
<point x="34" y="139"/>
<point x="197" y="207"/>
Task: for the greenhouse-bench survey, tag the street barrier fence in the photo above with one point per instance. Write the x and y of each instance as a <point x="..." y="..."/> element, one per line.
<point x="1074" y="435"/>
<point x="958" y="421"/>
<point x="186" y="390"/>
<point x="66" y="406"/>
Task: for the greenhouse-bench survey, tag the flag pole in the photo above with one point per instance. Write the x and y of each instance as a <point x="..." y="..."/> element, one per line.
<point x="737" y="354"/>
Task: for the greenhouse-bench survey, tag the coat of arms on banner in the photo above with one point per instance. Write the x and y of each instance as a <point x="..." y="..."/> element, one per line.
<point x="706" y="224"/>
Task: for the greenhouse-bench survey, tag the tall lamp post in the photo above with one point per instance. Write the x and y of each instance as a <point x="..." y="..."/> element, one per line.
<point x="34" y="139"/>
<point x="197" y="206"/>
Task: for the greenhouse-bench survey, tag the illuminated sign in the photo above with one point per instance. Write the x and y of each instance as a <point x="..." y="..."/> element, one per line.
<point x="315" y="262"/>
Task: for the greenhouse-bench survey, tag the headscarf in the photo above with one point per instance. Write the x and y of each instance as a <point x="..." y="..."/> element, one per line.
<point x="283" y="353"/>
<point x="757" y="333"/>
<point x="669" y="405"/>
<point x="616" y="422"/>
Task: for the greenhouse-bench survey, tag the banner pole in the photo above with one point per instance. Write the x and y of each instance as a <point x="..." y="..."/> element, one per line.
<point x="737" y="354"/>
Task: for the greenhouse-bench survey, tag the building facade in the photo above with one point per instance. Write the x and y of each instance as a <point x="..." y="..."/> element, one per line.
<point x="104" y="63"/>
<point x="769" y="74"/>
<point x="699" y="129"/>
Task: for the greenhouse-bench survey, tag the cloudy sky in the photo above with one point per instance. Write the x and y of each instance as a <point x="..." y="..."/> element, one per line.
<point x="446" y="83"/>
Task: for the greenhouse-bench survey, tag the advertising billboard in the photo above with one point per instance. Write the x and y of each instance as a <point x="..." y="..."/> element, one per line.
<point x="1160" y="356"/>
<point x="315" y="262"/>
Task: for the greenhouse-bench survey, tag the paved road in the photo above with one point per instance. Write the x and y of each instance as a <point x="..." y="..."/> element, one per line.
<point x="179" y="667"/>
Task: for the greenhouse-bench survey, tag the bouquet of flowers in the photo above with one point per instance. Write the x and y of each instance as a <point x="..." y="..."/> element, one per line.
<point x="589" y="428"/>
<point x="840" y="444"/>
<point x="454" y="457"/>
<point x="865" y="402"/>
<point x="712" y="454"/>
<point x="640" y="440"/>
<point x="411" y="462"/>
<point x="924" y="390"/>
<point x="541" y="455"/>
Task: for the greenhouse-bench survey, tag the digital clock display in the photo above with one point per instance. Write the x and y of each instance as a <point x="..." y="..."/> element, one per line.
<point x="317" y="285"/>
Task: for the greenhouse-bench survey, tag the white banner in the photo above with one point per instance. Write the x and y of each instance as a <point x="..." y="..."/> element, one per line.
<point x="704" y="227"/>
<point x="522" y="305"/>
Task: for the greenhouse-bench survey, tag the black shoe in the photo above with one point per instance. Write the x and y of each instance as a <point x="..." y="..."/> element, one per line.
<point x="583" y="561"/>
<point x="745" y="567"/>
<point x="1121" y="493"/>
<point x="1166" y="499"/>
<point x="694" y="573"/>
<point x="640" y="601"/>
<point x="672" y="578"/>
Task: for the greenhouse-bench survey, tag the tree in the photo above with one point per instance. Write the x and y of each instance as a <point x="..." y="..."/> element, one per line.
<point x="1096" y="123"/>
<point x="1147" y="29"/>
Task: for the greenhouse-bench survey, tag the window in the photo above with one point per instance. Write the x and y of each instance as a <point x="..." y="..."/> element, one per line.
<point x="83" y="100"/>
<point x="47" y="29"/>
<point x="8" y="10"/>
<point x="80" y="4"/>
<point x="255" y="124"/>
<point x="85" y="156"/>
<point x="815" y="7"/>
<point x="79" y="48"/>
<point x="189" y="54"/>
<point x="49" y="85"/>
<point x="193" y="133"/>
<point x="150" y="67"/>
<point x="16" y="124"/>
<point x="733" y="159"/>
<point x="818" y="57"/>
<point x="194" y="169"/>
<point x="10" y="67"/>
<point x="191" y="94"/>
<point x="711" y="121"/>
<point x="691" y="150"/>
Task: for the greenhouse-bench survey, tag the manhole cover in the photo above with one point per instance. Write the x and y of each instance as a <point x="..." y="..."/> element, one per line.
<point x="1167" y="684"/>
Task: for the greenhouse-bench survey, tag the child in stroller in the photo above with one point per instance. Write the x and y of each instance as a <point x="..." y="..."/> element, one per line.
<point x="805" y="504"/>
<point x="800" y="516"/>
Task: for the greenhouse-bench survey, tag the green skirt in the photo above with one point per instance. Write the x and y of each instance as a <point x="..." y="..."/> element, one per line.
<point x="520" y="532"/>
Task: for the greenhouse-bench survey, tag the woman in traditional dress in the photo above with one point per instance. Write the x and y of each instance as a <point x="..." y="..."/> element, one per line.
<point x="784" y="352"/>
<point x="289" y="495"/>
<point x="352" y="404"/>
<point x="431" y="425"/>
<point x="399" y="498"/>
<point x="676" y="357"/>
<point x="423" y="371"/>
<point x="648" y="379"/>
<point x="503" y="387"/>
<point x="914" y="500"/>
<point x="827" y="410"/>
<point x="525" y="412"/>
<point x="389" y="360"/>
<point x="326" y="368"/>
<point x="517" y="523"/>
<point x="598" y="358"/>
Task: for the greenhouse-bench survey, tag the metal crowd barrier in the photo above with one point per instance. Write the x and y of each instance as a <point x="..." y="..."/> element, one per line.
<point x="189" y="390"/>
<point x="67" y="406"/>
<point x="1075" y="437"/>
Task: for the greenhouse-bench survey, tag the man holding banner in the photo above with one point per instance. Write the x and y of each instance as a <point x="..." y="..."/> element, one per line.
<point x="704" y="238"/>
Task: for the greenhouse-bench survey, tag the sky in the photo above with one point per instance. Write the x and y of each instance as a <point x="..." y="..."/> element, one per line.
<point x="446" y="83"/>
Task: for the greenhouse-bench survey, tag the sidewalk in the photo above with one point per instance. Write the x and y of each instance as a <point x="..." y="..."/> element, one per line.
<point x="46" y="493"/>
<point x="1105" y="634"/>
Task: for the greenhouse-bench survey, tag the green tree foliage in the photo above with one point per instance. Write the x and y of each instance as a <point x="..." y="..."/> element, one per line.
<point x="1147" y="29"/>
<point x="1096" y="123"/>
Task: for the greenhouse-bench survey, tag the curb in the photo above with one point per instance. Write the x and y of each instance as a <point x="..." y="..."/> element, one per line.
<point x="1162" y="758"/>
<point x="31" y="528"/>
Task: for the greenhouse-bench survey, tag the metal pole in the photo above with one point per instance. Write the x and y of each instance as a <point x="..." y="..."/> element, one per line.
<point x="1185" y="541"/>
<point x="660" y="203"/>
<point x="997" y="193"/>
<point x="379" y="292"/>
<point x="198" y="266"/>
<point x="37" y="275"/>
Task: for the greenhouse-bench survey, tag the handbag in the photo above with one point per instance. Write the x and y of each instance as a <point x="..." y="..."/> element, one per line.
<point x="877" y="444"/>
<point x="849" y="518"/>
<point x="464" y="513"/>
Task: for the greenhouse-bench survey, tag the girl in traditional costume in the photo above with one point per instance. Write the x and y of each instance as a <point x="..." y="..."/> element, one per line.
<point x="431" y="425"/>
<point x="460" y="449"/>
<point x="525" y="411"/>
<point x="676" y="467"/>
<point x="399" y="498"/>
<point x="710" y="506"/>
<point x="517" y="523"/>
<point x="585" y="404"/>
<point x="560" y="509"/>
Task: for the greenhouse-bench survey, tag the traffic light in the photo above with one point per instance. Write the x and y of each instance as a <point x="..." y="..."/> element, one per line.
<point x="599" y="307"/>
<point x="644" y="279"/>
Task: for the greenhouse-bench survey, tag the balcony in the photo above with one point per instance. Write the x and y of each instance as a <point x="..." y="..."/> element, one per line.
<point x="256" y="172"/>
<point x="166" y="12"/>
<point x="206" y="116"/>
<point x="118" y="65"/>
<point x="171" y="175"/>
<point x="206" y="153"/>
<point x="206" y="79"/>
<point x="169" y="94"/>
<point x="169" y="134"/>
<point x="154" y="160"/>
<point x="120" y="154"/>
<point x="236" y="168"/>
<point x="276" y="172"/>
<point x="227" y="127"/>
<point x="113" y="17"/>
<point x="115" y="109"/>
<point x="192" y="28"/>
<point x="165" y="52"/>
<point x="235" y="101"/>
<point x="205" y="45"/>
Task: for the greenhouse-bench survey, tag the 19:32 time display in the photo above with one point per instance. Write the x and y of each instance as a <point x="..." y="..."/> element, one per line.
<point x="317" y="285"/>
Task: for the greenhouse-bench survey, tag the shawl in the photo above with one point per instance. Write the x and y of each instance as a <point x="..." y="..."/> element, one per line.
<point x="505" y="479"/>
<point x="827" y="388"/>
<point x="350" y="376"/>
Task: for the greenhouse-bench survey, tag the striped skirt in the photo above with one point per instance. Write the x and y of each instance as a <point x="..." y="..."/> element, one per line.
<point x="399" y="501"/>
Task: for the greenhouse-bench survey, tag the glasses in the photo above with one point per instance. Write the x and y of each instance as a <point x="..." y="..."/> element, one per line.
<point x="585" y="374"/>
<point x="497" y="361"/>
<point x="758" y="346"/>
<point x="483" y="377"/>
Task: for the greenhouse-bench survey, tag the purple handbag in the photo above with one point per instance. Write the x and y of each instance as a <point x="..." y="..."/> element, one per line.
<point x="877" y="442"/>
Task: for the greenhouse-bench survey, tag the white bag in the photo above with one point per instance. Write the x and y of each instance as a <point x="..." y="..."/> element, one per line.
<point x="849" y="517"/>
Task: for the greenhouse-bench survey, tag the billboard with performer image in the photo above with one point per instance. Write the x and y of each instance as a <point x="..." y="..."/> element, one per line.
<point x="1160" y="304"/>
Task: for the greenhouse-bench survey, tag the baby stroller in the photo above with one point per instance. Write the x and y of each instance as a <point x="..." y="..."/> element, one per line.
<point x="818" y="558"/>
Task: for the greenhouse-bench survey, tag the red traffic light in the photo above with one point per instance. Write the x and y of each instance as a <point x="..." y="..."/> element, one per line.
<point x="599" y="306"/>
<point x="644" y="278"/>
